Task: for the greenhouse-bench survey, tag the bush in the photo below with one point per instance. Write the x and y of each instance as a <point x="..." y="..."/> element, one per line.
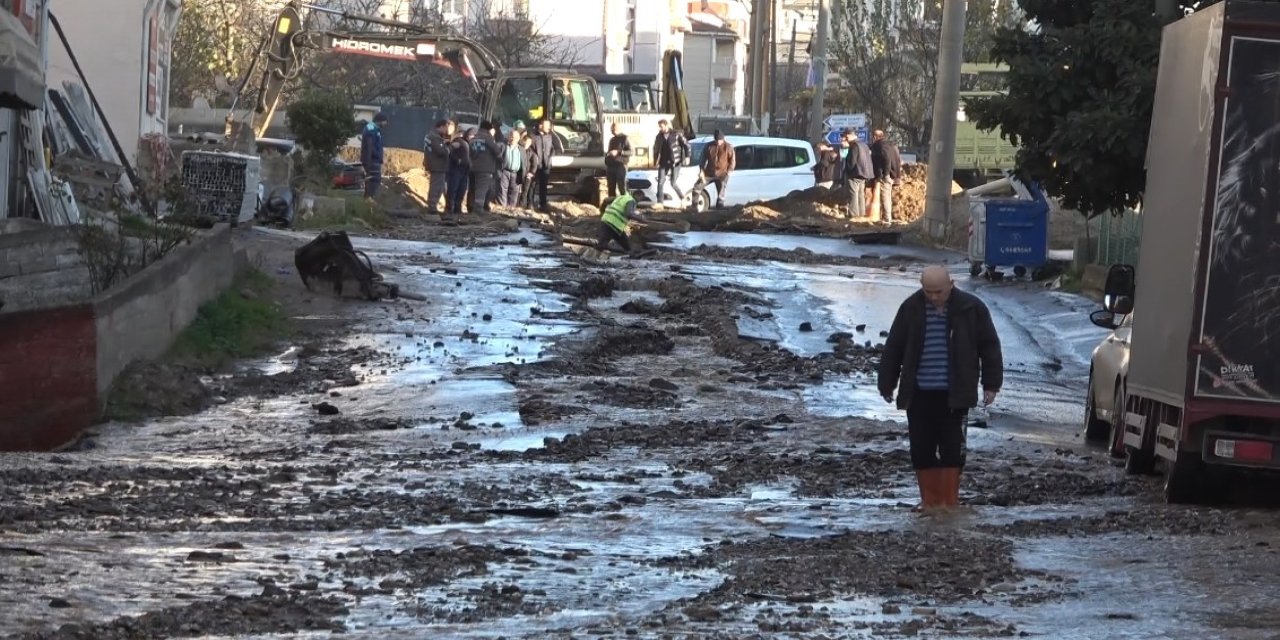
<point x="322" y="122"/>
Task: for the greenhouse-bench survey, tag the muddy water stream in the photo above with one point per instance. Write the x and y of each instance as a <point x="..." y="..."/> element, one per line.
<point x="428" y="507"/>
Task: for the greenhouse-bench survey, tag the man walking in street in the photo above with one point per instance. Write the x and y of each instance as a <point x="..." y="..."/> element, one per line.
<point x="858" y="169"/>
<point x="545" y="145"/>
<point x="512" y="171"/>
<point x="717" y="163"/>
<point x="486" y="157"/>
<point x="670" y="150"/>
<point x="371" y="153"/>
<point x="615" y="162"/>
<point x="435" y="159"/>
<point x="887" y="163"/>
<point x="941" y="347"/>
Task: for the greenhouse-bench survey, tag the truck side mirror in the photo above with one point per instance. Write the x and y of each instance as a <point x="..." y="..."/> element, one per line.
<point x="1104" y="319"/>
<point x="1119" y="289"/>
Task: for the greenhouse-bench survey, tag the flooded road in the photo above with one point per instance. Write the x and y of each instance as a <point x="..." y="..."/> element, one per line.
<point x="547" y="448"/>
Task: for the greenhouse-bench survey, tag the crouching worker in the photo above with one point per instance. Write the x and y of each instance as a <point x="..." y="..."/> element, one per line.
<point x="613" y="226"/>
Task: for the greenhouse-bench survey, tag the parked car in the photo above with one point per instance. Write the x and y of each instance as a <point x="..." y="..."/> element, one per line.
<point x="1108" y="372"/>
<point x="767" y="168"/>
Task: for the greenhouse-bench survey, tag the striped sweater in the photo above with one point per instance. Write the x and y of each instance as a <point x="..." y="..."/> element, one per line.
<point x="934" y="372"/>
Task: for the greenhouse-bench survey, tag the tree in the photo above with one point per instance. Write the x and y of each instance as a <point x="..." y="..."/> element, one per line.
<point x="512" y="38"/>
<point x="1080" y="92"/>
<point x="886" y="54"/>
<point x="321" y="121"/>
<point x="213" y="45"/>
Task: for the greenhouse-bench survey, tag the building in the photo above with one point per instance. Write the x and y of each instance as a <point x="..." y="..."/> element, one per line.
<point x="127" y="71"/>
<point x="23" y="31"/>
<point x="715" y="61"/>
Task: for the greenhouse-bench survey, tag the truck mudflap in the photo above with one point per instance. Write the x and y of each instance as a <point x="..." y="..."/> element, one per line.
<point x="1241" y="450"/>
<point x="1135" y="429"/>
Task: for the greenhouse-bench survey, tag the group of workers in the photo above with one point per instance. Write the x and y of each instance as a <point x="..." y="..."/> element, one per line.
<point x="474" y="170"/>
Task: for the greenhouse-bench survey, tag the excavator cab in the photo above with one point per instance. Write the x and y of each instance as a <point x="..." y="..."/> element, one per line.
<point x="570" y="101"/>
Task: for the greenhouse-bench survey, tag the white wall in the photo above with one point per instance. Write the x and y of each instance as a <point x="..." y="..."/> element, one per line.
<point x="111" y="46"/>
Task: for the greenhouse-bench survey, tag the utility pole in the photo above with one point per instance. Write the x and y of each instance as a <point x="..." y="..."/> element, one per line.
<point x="773" y="65"/>
<point x="791" y="71"/>
<point x="946" y="102"/>
<point x="819" y="60"/>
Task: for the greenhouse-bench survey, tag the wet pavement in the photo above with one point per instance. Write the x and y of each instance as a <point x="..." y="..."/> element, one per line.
<point x="549" y="448"/>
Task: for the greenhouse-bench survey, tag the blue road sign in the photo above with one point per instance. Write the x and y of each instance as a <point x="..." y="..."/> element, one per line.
<point x="833" y="136"/>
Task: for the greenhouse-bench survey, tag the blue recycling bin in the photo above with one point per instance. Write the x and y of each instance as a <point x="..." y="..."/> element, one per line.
<point x="1017" y="233"/>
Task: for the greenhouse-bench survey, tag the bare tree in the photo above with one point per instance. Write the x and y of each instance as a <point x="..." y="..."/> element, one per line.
<point x="886" y="54"/>
<point x="213" y="47"/>
<point x="512" y="38"/>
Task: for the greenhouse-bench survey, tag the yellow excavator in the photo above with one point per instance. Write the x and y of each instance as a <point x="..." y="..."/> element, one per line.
<point x="571" y="101"/>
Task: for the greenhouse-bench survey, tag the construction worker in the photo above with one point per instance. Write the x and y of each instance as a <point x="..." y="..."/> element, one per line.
<point x="371" y="153"/>
<point x="486" y="160"/>
<point x="435" y="159"/>
<point x="613" y="228"/>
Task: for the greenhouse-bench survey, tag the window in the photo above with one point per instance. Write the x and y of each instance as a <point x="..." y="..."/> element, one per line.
<point x="699" y="149"/>
<point x="771" y="157"/>
<point x="573" y="100"/>
<point x="520" y="99"/>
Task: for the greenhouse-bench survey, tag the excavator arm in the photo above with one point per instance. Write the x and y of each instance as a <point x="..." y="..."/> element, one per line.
<point x="283" y="50"/>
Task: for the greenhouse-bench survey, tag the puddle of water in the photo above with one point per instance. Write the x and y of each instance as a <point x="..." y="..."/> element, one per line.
<point x="826" y="246"/>
<point x="520" y="442"/>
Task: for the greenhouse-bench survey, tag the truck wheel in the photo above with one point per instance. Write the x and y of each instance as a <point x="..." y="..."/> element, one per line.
<point x="1095" y="430"/>
<point x="1184" y="480"/>
<point x="1116" y="442"/>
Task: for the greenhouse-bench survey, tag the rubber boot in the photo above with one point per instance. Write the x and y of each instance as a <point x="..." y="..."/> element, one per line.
<point x="928" y="489"/>
<point x="949" y="486"/>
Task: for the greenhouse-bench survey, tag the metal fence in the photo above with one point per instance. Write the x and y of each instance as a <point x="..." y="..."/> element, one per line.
<point x="1118" y="237"/>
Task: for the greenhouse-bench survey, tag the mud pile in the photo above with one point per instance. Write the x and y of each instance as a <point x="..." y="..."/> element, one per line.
<point x="908" y="200"/>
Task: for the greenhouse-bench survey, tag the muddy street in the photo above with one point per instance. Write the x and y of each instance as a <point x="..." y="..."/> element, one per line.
<point x="684" y="446"/>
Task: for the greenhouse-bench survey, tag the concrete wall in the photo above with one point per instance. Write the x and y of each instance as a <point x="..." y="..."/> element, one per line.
<point x="57" y="364"/>
<point x="41" y="268"/>
<point x="141" y="318"/>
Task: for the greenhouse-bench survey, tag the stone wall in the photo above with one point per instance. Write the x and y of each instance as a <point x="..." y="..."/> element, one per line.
<point x="41" y="267"/>
<point x="57" y="364"/>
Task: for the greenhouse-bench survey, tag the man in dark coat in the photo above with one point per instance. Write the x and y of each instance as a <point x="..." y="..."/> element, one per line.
<point x="670" y="149"/>
<point x="858" y="169"/>
<point x="545" y="145"/>
<point x="615" y="162"/>
<point x="435" y="159"/>
<point x="941" y="347"/>
<point x="371" y="153"/>
<point x="887" y="164"/>
<point x="486" y="159"/>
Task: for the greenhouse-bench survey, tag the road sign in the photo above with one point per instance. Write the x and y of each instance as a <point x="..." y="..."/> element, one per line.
<point x="846" y="121"/>
<point x="833" y="136"/>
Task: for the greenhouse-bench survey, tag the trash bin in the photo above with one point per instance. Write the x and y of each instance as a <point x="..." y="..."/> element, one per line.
<point x="1010" y="232"/>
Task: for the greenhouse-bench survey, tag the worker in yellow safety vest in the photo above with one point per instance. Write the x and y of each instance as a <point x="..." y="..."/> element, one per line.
<point x="614" y="220"/>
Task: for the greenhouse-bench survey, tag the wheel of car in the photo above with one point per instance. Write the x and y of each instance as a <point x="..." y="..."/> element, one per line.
<point x="698" y="201"/>
<point x="1095" y="430"/>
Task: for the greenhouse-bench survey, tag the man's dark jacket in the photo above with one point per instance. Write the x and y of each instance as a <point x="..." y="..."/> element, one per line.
<point x="972" y="340"/>
<point x="886" y="160"/>
<point x="436" y="152"/>
<point x="858" y="163"/>
<point x="544" y="146"/>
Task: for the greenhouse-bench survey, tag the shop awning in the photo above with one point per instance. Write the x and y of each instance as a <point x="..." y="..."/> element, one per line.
<point x="21" y="66"/>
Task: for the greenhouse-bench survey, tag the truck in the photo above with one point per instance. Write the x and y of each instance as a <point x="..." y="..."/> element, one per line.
<point x="1201" y="391"/>
<point x="631" y="102"/>
<point x="571" y="101"/>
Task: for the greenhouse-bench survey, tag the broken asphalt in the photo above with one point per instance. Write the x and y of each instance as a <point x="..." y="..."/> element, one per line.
<point x="688" y="445"/>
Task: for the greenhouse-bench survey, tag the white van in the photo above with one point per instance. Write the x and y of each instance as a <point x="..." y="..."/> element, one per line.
<point x="767" y="168"/>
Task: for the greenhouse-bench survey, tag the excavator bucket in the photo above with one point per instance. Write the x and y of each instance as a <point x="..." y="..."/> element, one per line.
<point x="331" y="258"/>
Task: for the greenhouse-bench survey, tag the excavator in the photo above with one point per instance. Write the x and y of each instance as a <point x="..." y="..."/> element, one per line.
<point x="569" y="100"/>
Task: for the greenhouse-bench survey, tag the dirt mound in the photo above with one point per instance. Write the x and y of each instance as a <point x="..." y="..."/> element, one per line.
<point x="908" y="200"/>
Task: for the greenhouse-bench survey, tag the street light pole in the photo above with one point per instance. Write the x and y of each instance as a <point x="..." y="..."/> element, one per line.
<point x="819" y="60"/>
<point x="946" y="102"/>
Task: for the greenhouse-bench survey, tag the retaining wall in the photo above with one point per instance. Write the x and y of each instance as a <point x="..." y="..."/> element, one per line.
<point x="57" y="363"/>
